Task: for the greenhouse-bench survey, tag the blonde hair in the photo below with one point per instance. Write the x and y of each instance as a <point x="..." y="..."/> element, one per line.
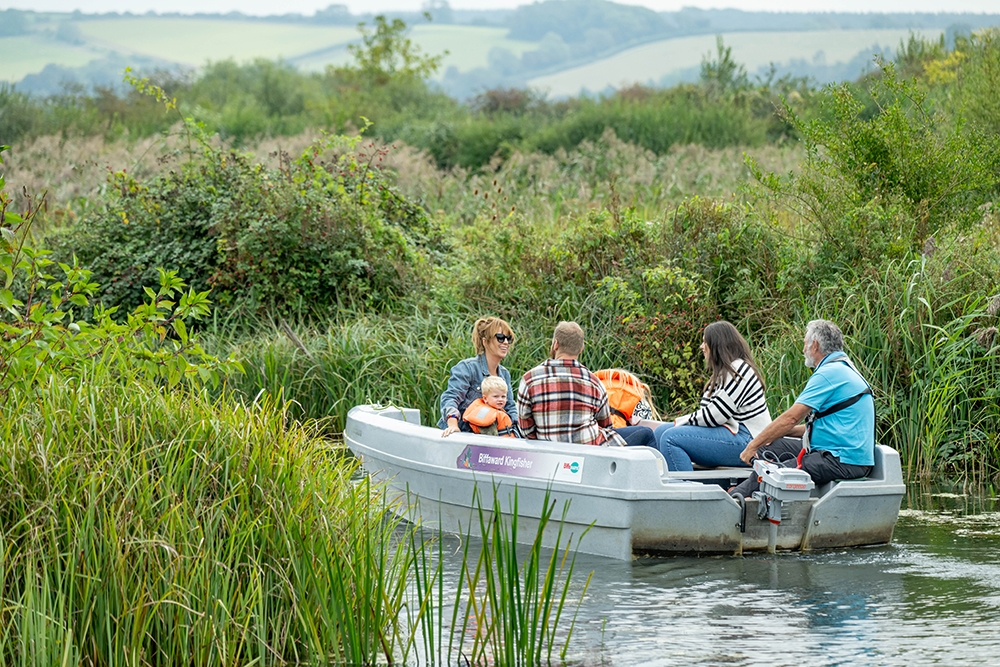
<point x="569" y="335"/>
<point x="486" y="327"/>
<point x="493" y="384"/>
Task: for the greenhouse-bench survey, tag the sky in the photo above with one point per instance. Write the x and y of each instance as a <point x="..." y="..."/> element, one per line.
<point x="307" y="7"/>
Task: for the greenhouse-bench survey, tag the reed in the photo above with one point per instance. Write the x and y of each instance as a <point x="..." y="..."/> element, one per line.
<point x="146" y="526"/>
<point x="913" y="335"/>
<point x="510" y="602"/>
<point x="139" y="525"/>
<point x="362" y="358"/>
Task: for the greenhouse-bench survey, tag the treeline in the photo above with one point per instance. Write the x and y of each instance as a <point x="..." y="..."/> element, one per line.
<point x="244" y="102"/>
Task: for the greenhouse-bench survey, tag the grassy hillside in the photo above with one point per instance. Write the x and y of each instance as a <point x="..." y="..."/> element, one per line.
<point x="651" y="62"/>
<point x="27" y="54"/>
<point x="195" y="41"/>
<point x="467" y="46"/>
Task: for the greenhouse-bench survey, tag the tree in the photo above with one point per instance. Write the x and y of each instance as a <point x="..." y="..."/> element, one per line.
<point x="386" y="53"/>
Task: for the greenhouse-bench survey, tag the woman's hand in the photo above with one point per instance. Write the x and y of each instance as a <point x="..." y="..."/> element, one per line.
<point x="452" y="427"/>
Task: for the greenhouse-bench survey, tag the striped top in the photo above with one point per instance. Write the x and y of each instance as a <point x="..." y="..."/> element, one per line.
<point x="740" y="400"/>
<point x="561" y="400"/>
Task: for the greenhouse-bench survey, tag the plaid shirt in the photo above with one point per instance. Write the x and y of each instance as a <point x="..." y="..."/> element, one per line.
<point x="560" y="400"/>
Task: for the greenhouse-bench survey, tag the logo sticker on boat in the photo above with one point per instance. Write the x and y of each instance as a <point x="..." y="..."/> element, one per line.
<point x="539" y="465"/>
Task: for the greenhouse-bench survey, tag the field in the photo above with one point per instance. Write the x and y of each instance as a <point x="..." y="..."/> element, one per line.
<point x="195" y="41"/>
<point x="650" y="62"/>
<point x="29" y="54"/>
<point x="467" y="46"/>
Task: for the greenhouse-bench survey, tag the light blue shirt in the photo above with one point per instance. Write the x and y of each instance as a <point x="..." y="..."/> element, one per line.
<point x="849" y="434"/>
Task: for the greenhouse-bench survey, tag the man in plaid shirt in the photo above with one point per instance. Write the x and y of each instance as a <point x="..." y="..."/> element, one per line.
<point x="561" y="400"/>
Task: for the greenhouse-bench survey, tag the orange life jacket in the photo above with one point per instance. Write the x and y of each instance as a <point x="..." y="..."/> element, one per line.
<point x="624" y="393"/>
<point x="478" y="414"/>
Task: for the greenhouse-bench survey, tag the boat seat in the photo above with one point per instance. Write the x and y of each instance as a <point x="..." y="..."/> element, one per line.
<point x="734" y="475"/>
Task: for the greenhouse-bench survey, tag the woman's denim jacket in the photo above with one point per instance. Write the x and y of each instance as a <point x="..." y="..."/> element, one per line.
<point x="463" y="389"/>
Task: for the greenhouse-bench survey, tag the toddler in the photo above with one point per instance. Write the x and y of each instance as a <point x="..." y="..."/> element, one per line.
<point x="486" y="415"/>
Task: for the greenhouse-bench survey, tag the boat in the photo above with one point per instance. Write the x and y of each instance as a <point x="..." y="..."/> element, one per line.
<point x="623" y="501"/>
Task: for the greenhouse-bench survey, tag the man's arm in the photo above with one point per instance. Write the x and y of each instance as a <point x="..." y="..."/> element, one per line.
<point x="526" y="420"/>
<point x="603" y="414"/>
<point x="785" y="424"/>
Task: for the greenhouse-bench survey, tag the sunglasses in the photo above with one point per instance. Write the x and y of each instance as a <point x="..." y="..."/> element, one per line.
<point x="501" y="338"/>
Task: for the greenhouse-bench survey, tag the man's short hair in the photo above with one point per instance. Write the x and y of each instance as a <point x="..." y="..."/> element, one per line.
<point x="493" y="384"/>
<point x="569" y="335"/>
<point x="827" y="334"/>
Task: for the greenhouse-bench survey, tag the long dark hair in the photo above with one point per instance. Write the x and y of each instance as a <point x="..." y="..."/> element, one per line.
<point x="725" y="346"/>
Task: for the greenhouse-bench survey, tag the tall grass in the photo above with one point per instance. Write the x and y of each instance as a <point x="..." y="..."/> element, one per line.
<point x="140" y="526"/>
<point x="401" y="359"/>
<point x="509" y="604"/>
<point x="914" y="336"/>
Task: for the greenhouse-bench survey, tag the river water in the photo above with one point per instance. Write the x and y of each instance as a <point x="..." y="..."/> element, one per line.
<point x="932" y="597"/>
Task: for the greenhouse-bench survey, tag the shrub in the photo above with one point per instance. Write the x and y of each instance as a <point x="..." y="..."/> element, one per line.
<point x="324" y="230"/>
<point x="659" y="314"/>
<point x="519" y="267"/>
<point x="877" y="187"/>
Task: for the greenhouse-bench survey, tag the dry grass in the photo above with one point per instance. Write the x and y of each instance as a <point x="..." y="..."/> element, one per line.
<point x="73" y="172"/>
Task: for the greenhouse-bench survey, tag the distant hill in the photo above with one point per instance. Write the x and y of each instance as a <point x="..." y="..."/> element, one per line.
<point x="559" y="45"/>
<point x="827" y="55"/>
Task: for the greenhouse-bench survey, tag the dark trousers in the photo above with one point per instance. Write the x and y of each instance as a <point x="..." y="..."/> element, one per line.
<point x="821" y="465"/>
<point x="637" y="436"/>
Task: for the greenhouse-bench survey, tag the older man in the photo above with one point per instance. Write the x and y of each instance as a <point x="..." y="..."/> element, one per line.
<point x="561" y="400"/>
<point x="837" y="404"/>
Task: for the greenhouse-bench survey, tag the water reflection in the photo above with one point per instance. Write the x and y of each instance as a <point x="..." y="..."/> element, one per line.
<point x="932" y="597"/>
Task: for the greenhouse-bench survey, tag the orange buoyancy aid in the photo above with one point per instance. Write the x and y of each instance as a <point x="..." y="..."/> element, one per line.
<point x="479" y="415"/>
<point x="624" y="393"/>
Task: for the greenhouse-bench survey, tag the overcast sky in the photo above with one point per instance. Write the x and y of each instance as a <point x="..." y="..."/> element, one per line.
<point x="264" y="7"/>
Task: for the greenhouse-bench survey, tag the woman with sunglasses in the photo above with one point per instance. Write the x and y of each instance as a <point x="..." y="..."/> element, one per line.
<point x="492" y="338"/>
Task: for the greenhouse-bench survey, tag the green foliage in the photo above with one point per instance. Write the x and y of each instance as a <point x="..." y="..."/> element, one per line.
<point x="660" y="313"/>
<point x="979" y="68"/>
<point x="210" y="529"/>
<point x="516" y="267"/>
<point x="386" y="53"/>
<point x="324" y="230"/>
<point x="876" y="187"/>
<point x="262" y="98"/>
<point x="44" y="336"/>
<point x="519" y="601"/>
<point x="749" y="269"/>
<point x="723" y="74"/>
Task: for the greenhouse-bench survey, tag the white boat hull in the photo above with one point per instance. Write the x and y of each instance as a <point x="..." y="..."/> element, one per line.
<point x="623" y="498"/>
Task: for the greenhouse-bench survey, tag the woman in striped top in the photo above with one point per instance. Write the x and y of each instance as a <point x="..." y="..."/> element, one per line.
<point x="732" y="410"/>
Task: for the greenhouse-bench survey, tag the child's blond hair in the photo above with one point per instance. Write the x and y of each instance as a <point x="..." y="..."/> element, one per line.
<point x="493" y="384"/>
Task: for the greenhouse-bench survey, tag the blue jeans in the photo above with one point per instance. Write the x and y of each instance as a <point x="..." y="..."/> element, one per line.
<point x="707" y="446"/>
<point x="637" y="436"/>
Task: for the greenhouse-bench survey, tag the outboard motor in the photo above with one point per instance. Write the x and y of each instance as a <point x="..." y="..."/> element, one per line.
<point x="778" y="485"/>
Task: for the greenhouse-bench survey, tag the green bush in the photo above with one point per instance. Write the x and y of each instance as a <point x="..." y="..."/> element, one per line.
<point x="878" y="187"/>
<point x="659" y="314"/>
<point x="978" y="79"/>
<point x="749" y="269"/>
<point x="320" y="232"/>
<point x="517" y="267"/>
